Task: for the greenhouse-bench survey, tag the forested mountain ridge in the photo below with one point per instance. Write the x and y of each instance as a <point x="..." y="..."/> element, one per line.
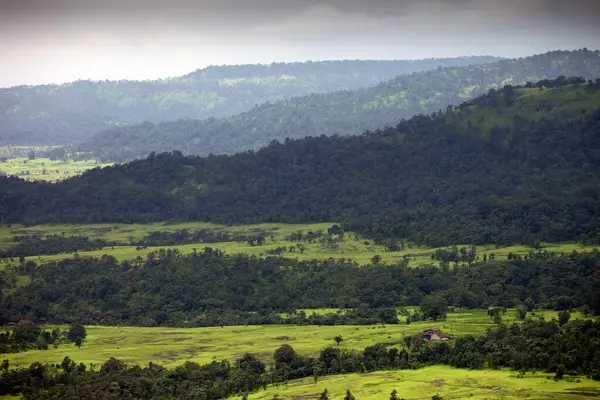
<point x="341" y="113"/>
<point x="518" y="165"/>
<point x="70" y="113"/>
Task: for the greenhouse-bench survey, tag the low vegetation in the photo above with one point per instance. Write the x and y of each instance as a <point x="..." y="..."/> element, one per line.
<point x="35" y="168"/>
<point x="530" y="346"/>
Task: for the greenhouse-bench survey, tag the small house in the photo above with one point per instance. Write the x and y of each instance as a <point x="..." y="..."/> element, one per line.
<point x="434" y="335"/>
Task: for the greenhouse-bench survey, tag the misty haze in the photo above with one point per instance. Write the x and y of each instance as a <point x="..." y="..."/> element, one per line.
<point x="290" y="199"/>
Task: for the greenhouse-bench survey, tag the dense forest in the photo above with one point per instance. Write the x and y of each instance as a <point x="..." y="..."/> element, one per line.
<point x="211" y="288"/>
<point x="70" y="113"/>
<point x="535" y="345"/>
<point x="517" y="165"/>
<point x="338" y="113"/>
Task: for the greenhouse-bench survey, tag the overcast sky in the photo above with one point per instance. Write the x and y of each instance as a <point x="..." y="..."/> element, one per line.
<point x="55" y="41"/>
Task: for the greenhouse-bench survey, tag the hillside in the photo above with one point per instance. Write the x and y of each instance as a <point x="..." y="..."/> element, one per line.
<point x="517" y="165"/>
<point x="69" y="113"/>
<point x="341" y="113"/>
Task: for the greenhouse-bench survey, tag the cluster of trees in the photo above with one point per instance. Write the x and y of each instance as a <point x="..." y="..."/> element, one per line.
<point x="33" y="245"/>
<point x="70" y="113"/>
<point x="454" y="254"/>
<point x="515" y="176"/>
<point x="185" y="236"/>
<point x="346" y="112"/>
<point x="211" y="288"/>
<point x="27" y="335"/>
<point x="531" y="346"/>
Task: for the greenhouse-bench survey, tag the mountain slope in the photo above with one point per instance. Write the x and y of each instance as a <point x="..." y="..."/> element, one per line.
<point x="342" y="113"/>
<point x="515" y="165"/>
<point x="61" y="114"/>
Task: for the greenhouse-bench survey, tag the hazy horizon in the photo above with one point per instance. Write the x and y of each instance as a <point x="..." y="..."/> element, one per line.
<point x="58" y="41"/>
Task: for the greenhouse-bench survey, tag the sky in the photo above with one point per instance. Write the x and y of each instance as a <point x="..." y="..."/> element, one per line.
<point x="57" y="41"/>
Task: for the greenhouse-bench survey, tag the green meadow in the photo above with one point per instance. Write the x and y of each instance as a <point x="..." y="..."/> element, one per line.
<point x="45" y="169"/>
<point x="353" y="246"/>
<point x="174" y="346"/>
<point x="447" y="382"/>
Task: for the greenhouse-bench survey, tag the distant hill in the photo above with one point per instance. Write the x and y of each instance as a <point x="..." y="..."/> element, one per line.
<point x="69" y="113"/>
<point x="341" y="113"/>
<point x="517" y="165"/>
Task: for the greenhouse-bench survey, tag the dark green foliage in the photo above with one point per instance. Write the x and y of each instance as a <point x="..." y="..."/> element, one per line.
<point x="521" y="311"/>
<point x="77" y="334"/>
<point x="563" y="317"/>
<point x="349" y="395"/>
<point x="27" y="335"/>
<point x="339" y="113"/>
<point x="69" y="113"/>
<point x="210" y="288"/>
<point x="406" y="182"/>
<point x="33" y="245"/>
<point x="324" y="395"/>
<point x="434" y="307"/>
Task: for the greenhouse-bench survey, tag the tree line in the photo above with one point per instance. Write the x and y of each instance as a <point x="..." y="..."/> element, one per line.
<point x="211" y="288"/>
<point x="73" y="112"/>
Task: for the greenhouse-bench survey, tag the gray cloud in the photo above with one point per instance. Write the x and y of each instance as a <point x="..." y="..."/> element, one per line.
<point x="63" y="40"/>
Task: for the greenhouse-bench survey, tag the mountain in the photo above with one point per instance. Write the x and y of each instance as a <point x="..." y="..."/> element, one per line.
<point x="517" y="165"/>
<point x="69" y="113"/>
<point x="341" y="113"/>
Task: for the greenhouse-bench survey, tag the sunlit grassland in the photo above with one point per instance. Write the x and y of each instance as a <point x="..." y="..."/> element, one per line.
<point x="173" y="346"/>
<point x="45" y="169"/>
<point x="354" y="247"/>
<point x="447" y="382"/>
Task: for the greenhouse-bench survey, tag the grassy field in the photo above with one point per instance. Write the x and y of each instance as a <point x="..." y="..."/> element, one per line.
<point x="46" y="169"/>
<point x="173" y="346"/>
<point x="447" y="382"/>
<point x="353" y="246"/>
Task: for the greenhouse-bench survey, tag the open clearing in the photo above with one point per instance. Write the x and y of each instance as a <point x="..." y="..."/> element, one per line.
<point x="44" y="169"/>
<point x="447" y="382"/>
<point x="173" y="346"/>
<point x="354" y="247"/>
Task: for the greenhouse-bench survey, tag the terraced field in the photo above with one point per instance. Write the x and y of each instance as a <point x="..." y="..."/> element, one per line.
<point x="173" y="346"/>
<point x="446" y="382"/>
<point x="352" y="246"/>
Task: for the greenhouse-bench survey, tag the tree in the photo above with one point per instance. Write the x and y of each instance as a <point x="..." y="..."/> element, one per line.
<point x="560" y="372"/>
<point x="496" y="314"/>
<point x="434" y="307"/>
<point x="529" y="304"/>
<point x="77" y="334"/>
<point x="376" y="259"/>
<point x="563" y="317"/>
<point x="284" y="355"/>
<point x="338" y="339"/>
<point x="394" y="395"/>
<point x="349" y="395"/>
<point x="521" y="311"/>
<point x="26" y="331"/>
<point x="324" y="395"/>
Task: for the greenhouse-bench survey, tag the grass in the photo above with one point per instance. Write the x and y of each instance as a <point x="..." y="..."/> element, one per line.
<point x="46" y="169"/>
<point x="353" y="247"/>
<point x="447" y="382"/>
<point x="173" y="346"/>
